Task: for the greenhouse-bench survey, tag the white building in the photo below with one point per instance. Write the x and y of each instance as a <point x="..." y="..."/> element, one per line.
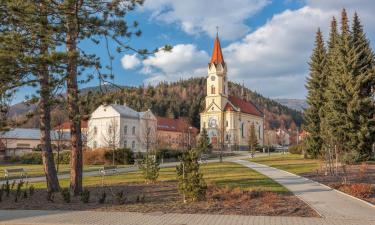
<point x="120" y="126"/>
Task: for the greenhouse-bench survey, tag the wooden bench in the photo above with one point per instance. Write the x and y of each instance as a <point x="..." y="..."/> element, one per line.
<point x="107" y="170"/>
<point x="20" y="171"/>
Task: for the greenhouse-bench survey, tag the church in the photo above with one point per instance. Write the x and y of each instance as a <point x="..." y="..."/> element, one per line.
<point x="227" y="118"/>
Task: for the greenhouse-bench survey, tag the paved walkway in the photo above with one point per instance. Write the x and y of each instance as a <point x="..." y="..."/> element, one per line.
<point x="31" y="217"/>
<point x="326" y="201"/>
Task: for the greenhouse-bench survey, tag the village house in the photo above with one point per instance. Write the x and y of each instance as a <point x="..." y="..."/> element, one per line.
<point x="19" y="141"/>
<point x="119" y="126"/>
<point x="228" y="119"/>
<point x="175" y="134"/>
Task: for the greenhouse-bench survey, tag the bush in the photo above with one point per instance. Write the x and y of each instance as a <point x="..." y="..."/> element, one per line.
<point x="295" y="149"/>
<point x="102" y="198"/>
<point x="65" y="193"/>
<point x="168" y="154"/>
<point x="64" y="157"/>
<point x="122" y="156"/>
<point x="85" y="196"/>
<point x="358" y="190"/>
<point x="94" y="157"/>
<point x="31" y="158"/>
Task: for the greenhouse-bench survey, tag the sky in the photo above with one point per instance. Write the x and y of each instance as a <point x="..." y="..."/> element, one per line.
<point x="266" y="43"/>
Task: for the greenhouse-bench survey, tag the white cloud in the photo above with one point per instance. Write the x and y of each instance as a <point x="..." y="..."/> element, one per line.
<point x="130" y="61"/>
<point x="197" y="16"/>
<point x="184" y="61"/>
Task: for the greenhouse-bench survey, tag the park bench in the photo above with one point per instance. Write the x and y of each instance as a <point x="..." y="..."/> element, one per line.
<point x="16" y="171"/>
<point x="107" y="170"/>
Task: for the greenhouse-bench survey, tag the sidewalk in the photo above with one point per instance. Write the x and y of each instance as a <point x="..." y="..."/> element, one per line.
<point x="31" y="217"/>
<point x="326" y="201"/>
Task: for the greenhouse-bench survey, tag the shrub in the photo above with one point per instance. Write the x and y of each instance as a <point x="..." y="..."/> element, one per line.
<point x="31" y="158"/>
<point x="102" y="198"/>
<point x="295" y="149"/>
<point x="85" y="196"/>
<point x="358" y="190"/>
<point x="31" y="190"/>
<point x="190" y="180"/>
<point x="65" y="193"/>
<point x="120" y="198"/>
<point x="150" y="168"/>
<point x="122" y="156"/>
<point x="94" y="157"/>
<point x="64" y="157"/>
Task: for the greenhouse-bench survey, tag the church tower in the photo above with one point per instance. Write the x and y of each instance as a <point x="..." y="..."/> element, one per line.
<point x="217" y="82"/>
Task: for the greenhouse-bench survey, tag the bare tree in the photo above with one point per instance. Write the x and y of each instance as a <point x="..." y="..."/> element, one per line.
<point x="147" y="135"/>
<point x="111" y="137"/>
<point x="58" y="119"/>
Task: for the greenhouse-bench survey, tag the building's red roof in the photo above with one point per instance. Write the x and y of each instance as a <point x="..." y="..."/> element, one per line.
<point x="217" y="54"/>
<point x="174" y="125"/>
<point x="245" y="106"/>
<point x="66" y="125"/>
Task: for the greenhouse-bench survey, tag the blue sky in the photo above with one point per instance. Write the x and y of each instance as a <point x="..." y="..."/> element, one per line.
<point x="266" y="43"/>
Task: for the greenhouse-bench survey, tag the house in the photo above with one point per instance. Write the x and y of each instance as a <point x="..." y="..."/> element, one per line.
<point x="175" y="134"/>
<point x="66" y="126"/>
<point x="18" y="141"/>
<point x="119" y="126"/>
<point x="228" y="119"/>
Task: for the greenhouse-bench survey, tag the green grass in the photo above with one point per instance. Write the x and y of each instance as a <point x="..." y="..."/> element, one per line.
<point x="222" y="174"/>
<point x="37" y="170"/>
<point x="289" y="162"/>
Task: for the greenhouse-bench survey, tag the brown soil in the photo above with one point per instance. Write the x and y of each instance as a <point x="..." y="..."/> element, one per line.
<point x="355" y="174"/>
<point x="163" y="197"/>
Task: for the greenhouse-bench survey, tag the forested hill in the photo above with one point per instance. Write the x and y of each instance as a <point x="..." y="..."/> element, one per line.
<point x="185" y="98"/>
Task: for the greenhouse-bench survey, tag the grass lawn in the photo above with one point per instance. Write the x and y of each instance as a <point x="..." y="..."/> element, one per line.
<point x="289" y="162"/>
<point x="222" y="174"/>
<point x="37" y="170"/>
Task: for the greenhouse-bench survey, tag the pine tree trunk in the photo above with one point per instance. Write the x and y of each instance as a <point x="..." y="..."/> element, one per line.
<point x="45" y="114"/>
<point x="72" y="99"/>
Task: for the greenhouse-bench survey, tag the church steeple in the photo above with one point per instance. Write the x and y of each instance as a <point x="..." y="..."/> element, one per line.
<point x="217" y="54"/>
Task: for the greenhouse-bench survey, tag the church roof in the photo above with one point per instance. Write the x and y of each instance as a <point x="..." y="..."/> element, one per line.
<point x="244" y="106"/>
<point x="217" y="54"/>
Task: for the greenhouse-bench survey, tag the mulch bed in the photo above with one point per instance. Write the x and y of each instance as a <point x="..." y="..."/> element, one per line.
<point x="360" y="176"/>
<point x="163" y="197"/>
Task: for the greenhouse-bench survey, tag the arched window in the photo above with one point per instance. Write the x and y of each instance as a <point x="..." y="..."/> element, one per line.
<point x="110" y="129"/>
<point x="242" y="130"/>
<point x="126" y="130"/>
<point x="133" y="131"/>
<point x="95" y="130"/>
<point x="213" y="90"/>
<point x="133" y="144"/>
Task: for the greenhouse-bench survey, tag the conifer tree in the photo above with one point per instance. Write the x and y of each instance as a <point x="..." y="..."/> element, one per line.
<point x="204" y="145"/>
<point x="361" y="108"/>
<point x="316" y="85"/>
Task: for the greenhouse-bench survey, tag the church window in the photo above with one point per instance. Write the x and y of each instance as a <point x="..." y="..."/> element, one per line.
<point x="95" y="130"/>
<point x="259" y="131"/>
<point x="213" y="90"/>
<point x="226" y="123"/>
<point x="242" y="130"/>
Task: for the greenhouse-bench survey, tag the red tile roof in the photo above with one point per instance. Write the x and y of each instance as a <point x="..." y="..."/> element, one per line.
<point x="66" y="125"/>
<point x="174" y="125"/>
<point x="217" y="54"/>
<point x="245" y="106"/>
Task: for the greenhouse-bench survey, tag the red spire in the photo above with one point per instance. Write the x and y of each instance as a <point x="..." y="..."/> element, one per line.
<point x="217" y="54"/>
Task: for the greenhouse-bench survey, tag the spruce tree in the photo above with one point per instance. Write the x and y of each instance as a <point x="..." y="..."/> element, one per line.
<point x="316" y="84"/>
<point x="204" y="145"/>
<point x="361" y="108"/>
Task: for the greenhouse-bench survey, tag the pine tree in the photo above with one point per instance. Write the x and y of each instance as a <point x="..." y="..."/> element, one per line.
<point x="252" y="140"/>
<point x="204" y="145"/>
<point x="190" y="180"/>
<point x="316" y="85"/>
<point x="361" y="108"/>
